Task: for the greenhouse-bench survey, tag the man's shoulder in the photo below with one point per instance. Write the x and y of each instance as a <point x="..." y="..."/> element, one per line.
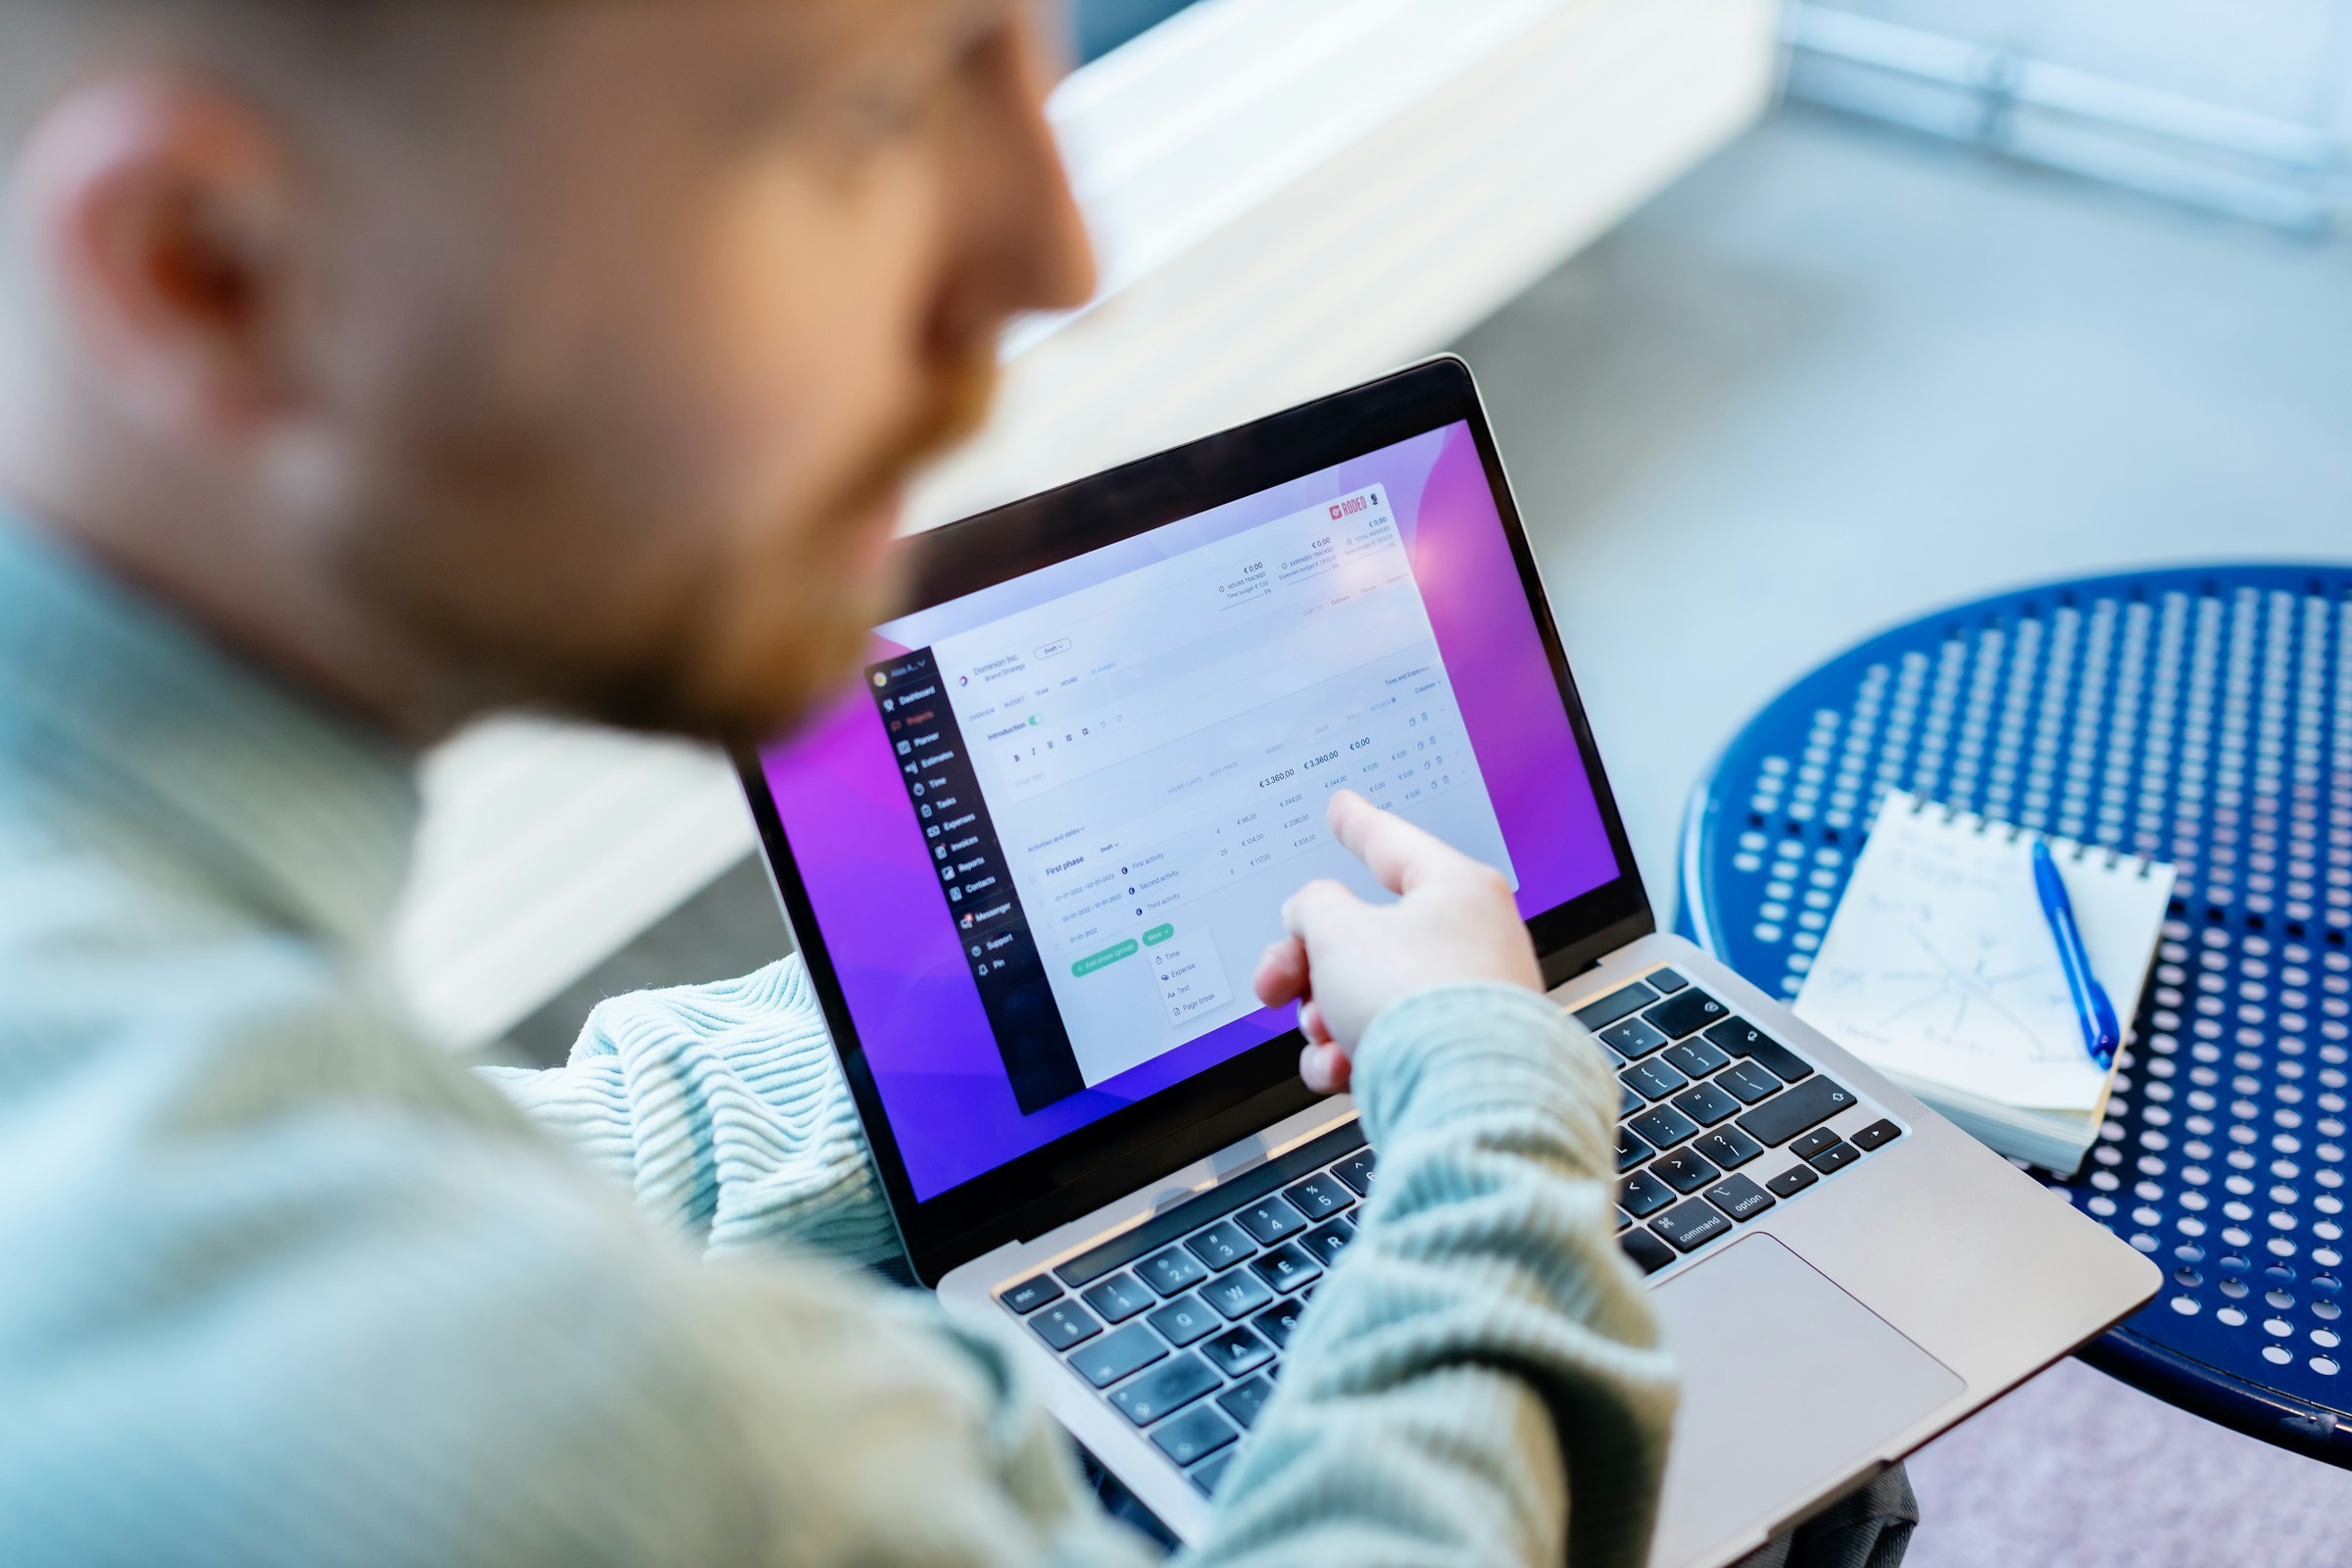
<point x="120" y="964"/>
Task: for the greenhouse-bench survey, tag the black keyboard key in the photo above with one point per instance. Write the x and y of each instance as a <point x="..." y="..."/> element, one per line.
<point x="1170" y="1225"/>
<point x="1615" y="1005"/>
<point x="1109" y="1359"/>
<point x="1209" y="1474"/>
<point x="1834" y="1159"/>
<point x="1648" y="1253"/>
<point x="1653" y="1080"/>
<point x="1631" y="1039"/>
<point x="1243" y="1403"/>
<point x="1786" y="1065"/>
<point x="1728" y="1146"/>
<point x="1624" y="1220"/>
<point x="1172" y="1272"/>
<point x="1643" y="1193"/>
<point x="1877" y="1135"/>
<point x="1743" y="1039"/>
<point x="1627" y="1100"/>
<point x="1683" y="1171"/>
<point x="1183" y="1321"/>
<point x="1030" y="1294"/>
<point x="1195" y="1435"/>
<point x="1320" y="1195"/>
<point x="1813" y="1143"/>
<point x="1691" y="1224"/>
<point x="1687" y="1013"/>
<point x="1695" y="1058"/>
<point x="1221" y="1245"/>
<point x="1236" y="1353"/>
<point x="1748" y="1083"/>
<point x="1287" y="1268"/>
<point x="1795" y="1110"/>
<point x="1668" y="981"/>
<point x="1356" y="1171"/>
<point x="1790" y="1182"/>
<point x="1118" y="1299"/>
<point x="1739" y="1198"/>
<point x="1661" y="1125"/>
<point x="1277" y="1323"/>
<point x="1325" y="1242"/>
<point x="1237" y="1295"/>
<point x="1064" y="1324"/>
<point x="1630" y="1150"/>
<point x="1706" y="1105"/>
<point x="1270" y="1220"/>
<point x="1145" y="1399"/>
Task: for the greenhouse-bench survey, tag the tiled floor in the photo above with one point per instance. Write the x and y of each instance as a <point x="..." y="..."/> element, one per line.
<point x="2077" y="1471"/>
<point x="1835" y="378"/>
<point x="1839" y="377"/>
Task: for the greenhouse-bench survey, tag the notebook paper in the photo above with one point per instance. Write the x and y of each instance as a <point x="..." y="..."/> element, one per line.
<point x="1940" y="966"/>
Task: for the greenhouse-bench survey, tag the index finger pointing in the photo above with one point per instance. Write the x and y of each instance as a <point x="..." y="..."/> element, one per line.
<point x="1399" y="854"/>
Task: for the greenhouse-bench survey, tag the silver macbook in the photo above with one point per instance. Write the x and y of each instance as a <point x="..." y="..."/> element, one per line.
<point x="1031" y="861"/>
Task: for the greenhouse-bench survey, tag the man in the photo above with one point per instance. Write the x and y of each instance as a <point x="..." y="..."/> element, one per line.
<point x="370" y="364"/>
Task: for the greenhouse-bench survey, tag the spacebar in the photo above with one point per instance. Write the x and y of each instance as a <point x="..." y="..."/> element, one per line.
<point x="1792" y="1110"/>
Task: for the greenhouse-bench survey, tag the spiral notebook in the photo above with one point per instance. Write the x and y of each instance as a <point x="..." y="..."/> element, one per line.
<point x="1940" y="969"/>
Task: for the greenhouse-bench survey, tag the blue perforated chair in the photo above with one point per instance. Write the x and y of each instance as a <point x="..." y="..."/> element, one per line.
<point x="2202" y="717"/>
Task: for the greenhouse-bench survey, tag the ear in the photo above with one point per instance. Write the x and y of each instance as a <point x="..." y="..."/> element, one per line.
<point x="169" y="213"/>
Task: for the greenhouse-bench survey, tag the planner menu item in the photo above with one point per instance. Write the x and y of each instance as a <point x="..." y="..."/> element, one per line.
<point x="1941" y="969"/>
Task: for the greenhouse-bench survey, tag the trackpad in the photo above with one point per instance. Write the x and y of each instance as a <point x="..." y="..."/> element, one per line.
<point x="1787" y="1384"/>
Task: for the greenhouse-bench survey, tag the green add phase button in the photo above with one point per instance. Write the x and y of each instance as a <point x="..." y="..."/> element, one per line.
<point x="1159" y="934"/>
<point x="1107" y="957"/>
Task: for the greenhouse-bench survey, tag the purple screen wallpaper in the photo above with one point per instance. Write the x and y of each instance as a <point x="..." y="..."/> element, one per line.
<point x="898" y="956"/>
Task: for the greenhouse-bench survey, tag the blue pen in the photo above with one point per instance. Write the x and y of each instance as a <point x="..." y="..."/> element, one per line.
<point x="2101" y="1034"/>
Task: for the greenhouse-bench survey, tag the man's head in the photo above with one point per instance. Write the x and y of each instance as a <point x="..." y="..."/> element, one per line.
<point x="456" y="353"/>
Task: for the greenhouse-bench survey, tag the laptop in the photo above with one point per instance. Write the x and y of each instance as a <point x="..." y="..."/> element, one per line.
<point x="1031" y="861"/>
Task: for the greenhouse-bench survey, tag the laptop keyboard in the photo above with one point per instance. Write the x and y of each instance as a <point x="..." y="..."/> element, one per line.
<point x="1182" y="1322"/>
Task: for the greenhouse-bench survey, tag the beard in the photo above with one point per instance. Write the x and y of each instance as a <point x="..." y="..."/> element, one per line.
<point x="523" y="567"/>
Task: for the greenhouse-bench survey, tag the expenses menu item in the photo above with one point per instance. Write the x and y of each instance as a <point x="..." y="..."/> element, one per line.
<point x="1122" y="785"/>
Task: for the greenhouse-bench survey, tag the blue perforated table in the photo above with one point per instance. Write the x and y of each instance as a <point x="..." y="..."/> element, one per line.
<point x="2202" y="717"/>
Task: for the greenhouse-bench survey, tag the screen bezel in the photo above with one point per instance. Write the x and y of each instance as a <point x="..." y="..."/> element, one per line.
<point x="1101" y="1162"/>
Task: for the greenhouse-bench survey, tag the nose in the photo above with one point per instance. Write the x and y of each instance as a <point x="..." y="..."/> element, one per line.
<point x="1026" y="245"/>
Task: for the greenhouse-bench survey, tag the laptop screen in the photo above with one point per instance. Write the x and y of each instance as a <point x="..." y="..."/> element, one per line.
<point x="1045" y="838"/>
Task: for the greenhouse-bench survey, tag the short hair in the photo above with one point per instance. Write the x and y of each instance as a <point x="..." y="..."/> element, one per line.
<point x="286" y="51"/>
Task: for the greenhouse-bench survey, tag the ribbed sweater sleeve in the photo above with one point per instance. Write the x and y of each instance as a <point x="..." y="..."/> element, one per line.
<point x="1480" y="1380"/>
<point x="724" y="1112"/>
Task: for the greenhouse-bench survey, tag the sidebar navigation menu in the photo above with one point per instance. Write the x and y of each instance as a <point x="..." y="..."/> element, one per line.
<point x="980" y="899"/>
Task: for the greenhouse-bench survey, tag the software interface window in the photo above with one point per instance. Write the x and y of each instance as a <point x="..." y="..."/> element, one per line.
<point x="1120" y="786"/>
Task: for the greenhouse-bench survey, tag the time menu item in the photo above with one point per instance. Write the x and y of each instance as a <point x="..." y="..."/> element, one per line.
<point x="1157" y="754"/>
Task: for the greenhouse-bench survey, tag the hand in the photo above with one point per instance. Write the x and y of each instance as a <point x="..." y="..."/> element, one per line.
<point x="1347" y="961"/>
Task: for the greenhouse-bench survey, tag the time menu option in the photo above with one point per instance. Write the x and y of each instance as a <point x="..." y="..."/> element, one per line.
<point x="991" y="927"/>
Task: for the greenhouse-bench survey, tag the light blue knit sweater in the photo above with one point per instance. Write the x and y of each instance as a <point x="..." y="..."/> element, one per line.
<point x="281" y="1284"/>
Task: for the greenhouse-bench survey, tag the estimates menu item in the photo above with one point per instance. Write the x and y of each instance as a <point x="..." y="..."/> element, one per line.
<point x="1155" y="755"/>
